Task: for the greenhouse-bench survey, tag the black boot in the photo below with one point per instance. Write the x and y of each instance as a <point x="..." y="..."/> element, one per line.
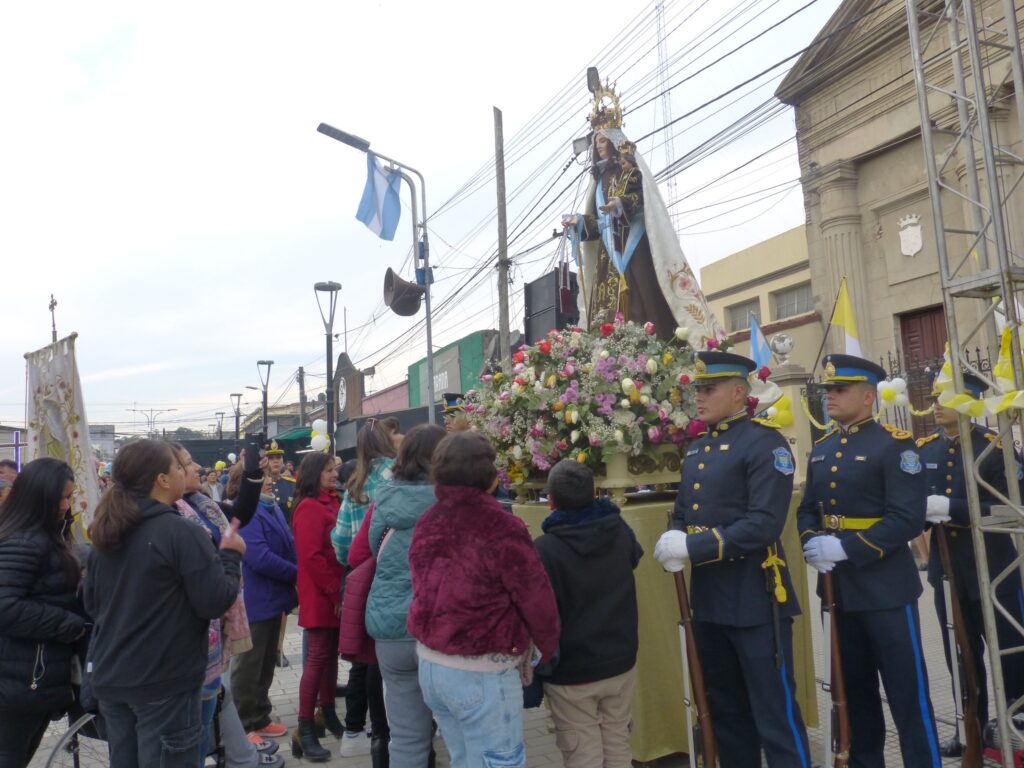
<point x="380" y="756"/>
<point x="952" y="747"/>
<point x="331" y="721"/>
<point x="308" y="745"/>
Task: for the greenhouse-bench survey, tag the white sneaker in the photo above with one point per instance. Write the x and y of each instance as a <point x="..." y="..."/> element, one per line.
<point x="355" y="744"/>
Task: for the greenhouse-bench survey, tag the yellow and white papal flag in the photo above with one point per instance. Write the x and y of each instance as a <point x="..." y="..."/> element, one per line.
<point x="57" y="425"/>
<point x="842" y="317"/>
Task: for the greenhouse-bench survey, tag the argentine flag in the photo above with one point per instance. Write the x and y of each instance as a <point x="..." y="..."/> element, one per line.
<point x="760" y="352"/>
<point x="380" y="208"/>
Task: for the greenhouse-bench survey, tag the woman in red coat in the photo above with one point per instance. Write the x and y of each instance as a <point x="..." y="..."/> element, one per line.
<point x="319" y="586"/>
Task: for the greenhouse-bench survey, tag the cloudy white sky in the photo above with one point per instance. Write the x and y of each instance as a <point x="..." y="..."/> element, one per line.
<point x="162" y="175"/>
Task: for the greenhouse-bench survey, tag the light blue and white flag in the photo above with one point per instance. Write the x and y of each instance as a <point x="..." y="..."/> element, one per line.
<point x="760" y="352"/>
<point x="380" y="208"/>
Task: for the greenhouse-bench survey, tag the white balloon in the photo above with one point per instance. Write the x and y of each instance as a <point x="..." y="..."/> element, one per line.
<point x="318" y="443"/>
<point x="772" y="412"/>
<point x="902" y="400"/>
<point x="900" y="385"/>
<point x="232" y="458"/>
<point x="884" y="386"/>
<point x="320" y="426"/>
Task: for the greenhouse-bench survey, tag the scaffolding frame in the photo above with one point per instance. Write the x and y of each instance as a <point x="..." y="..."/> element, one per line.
<point x="980" y="280"/>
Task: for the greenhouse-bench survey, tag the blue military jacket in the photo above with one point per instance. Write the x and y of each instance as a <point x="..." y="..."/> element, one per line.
<point x="736" y="489"/>
<point x="868" y="471"/>
<point x="944" y="476"/>
<point x="283" y="489"/>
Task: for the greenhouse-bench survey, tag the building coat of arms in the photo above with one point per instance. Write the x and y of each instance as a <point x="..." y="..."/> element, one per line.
<point x="910" y="235"/>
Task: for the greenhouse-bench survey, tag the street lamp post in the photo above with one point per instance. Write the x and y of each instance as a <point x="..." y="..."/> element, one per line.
<point x="331" y="289"/>
<point x="424" y="249"/>
<point x="265" y="381"/>
<point x="236" y="402"/>
<point x="220" y="424"/>
<point x="150" y="415"/>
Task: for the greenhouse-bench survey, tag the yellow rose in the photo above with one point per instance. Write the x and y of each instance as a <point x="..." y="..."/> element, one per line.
<point x="557" y="406"/>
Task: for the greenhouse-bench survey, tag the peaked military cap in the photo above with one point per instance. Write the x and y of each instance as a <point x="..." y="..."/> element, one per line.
<point x="711" y="366"/>
<point x="849" y="369"/>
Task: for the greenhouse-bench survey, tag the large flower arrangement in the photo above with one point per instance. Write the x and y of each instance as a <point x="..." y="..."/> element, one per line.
<point x="586" y="396"/>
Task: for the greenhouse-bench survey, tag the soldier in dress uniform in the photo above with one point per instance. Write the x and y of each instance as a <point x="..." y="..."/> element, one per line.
<point x="863" y="503"/>
<point x="735" y="493"/>
<point x="947" y="504"/>
<point x="283" y="486"/>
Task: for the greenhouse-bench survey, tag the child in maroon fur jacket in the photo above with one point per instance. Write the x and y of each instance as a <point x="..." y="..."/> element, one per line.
<point x="480" y="596"/>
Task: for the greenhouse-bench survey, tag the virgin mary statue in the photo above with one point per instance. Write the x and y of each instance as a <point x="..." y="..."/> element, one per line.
<point x="629" y="257"/>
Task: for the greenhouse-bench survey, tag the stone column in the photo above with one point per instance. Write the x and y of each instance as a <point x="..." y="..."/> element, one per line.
<point x="836" y="186"/>
<point x="791" y="379"/>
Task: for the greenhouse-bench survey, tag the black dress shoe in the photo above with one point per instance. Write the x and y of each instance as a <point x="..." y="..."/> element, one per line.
<point x="282" y="660"/>
<point x="951" y="748"/>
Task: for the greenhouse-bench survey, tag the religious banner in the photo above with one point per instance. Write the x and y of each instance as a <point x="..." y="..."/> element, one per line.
<point x="57" y="425"/>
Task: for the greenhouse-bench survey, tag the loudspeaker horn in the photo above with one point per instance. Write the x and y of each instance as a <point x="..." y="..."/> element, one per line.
<point x="401" y="296"/>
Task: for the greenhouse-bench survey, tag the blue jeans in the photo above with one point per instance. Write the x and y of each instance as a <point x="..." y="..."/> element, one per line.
<point x="209" y="709"/>
<point x="157" y="734"/>
<point x="480" y="715"/>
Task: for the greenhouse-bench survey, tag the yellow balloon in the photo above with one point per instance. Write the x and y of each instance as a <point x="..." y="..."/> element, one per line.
<point x="784" y="404"/>
<point x="785" y="418"/>
<point x="888" y="394"/>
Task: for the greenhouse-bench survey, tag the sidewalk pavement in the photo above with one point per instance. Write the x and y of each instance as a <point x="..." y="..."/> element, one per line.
<point x="540" y="741"/>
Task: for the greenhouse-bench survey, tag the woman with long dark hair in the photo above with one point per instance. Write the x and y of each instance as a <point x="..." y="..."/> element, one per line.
<point x="40" y="616"/>
<point x="319" y="587"/>
<point x="375" y="453"/>
<point x="153" y="583"/>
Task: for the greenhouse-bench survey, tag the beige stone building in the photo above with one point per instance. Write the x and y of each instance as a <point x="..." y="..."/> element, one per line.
<point x="778" y="291"/>
<point x="864" y="177"/>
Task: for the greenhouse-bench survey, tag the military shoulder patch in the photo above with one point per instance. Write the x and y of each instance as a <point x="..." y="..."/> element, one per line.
<point x="925" y="440"/>
<point x="897" y="433"/>
<point x="910" y="462"/>
<point x="784" y="461"/>
<point x="826" y="436"/>
<point x="992" y="439"/>
<point x="766" y="423"/>
<point x="289" y="479"/>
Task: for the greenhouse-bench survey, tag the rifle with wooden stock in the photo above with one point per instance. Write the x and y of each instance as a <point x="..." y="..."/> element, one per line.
<point x="839" y="744"/>
<point x="965" y="676"/>
<point x="703" y="750"/>
<point x="837" y="733"/>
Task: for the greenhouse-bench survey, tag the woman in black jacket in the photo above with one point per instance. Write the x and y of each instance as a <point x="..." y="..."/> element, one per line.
<point x="40" y="614"/>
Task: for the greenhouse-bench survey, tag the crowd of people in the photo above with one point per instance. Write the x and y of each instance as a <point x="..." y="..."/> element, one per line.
<point x="172" y="617"/>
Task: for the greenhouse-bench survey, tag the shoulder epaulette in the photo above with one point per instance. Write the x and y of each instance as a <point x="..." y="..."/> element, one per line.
<point x="826" y="436"/>
<point x="921" y="441"/>
<point x="289" y="479"/>
<point x="897" y="433"/>
<point x="766" y="422"/>
<point x="992" y="439"/>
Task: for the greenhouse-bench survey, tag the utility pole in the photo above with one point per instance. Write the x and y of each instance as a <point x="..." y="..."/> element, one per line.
<point x="236" y="401"/>
<point x="504" y="342"/>
<point x="220" y="425"/>
<point x="302" y="396"/>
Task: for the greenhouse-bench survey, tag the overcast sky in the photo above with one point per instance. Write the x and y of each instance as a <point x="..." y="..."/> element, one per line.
<point x="162" y="175"/>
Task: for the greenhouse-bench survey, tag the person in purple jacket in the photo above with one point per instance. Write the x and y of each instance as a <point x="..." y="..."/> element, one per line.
<point x="269" y="570"/>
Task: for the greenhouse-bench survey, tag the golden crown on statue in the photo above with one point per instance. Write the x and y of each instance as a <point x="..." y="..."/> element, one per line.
<point x="607" y="113"/>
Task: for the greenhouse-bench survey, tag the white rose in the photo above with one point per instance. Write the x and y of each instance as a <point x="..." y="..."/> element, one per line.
<point x="604" y="354"/>
<point x="574" y="436"/>
<point x="644" y="399"/>
<point x="625" y="402"/>
<point x="682" y="333"/>
<point x="652" y="366"/>
<point x="618" y="435"/>
<point x="574" y="416"/>
<point x="517" y="451"/>
<point x="628" y="385"/>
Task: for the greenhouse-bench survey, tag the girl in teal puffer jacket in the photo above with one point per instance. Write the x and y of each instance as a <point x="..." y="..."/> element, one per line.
<point x="398" y="505"/>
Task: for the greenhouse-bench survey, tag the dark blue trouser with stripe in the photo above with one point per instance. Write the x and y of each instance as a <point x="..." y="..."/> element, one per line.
<point x="887" y="643"/>
<point x="1013" y="665"/>
<point x="753" y="702"/>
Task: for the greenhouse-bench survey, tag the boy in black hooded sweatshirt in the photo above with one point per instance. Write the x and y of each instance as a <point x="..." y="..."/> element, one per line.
<point x="589" y="553"/>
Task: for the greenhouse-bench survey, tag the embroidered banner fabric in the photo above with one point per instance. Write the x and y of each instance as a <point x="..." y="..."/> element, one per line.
<point x="57" y="424"/>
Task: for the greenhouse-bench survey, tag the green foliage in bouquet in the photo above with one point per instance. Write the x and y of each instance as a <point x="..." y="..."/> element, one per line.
<point x="586" y="396"/>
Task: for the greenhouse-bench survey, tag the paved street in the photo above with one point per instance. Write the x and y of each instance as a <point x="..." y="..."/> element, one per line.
<point x="540" y="742"/>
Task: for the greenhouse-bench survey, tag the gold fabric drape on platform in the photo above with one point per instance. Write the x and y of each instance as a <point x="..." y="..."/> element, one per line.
<point x="659" y="720"/>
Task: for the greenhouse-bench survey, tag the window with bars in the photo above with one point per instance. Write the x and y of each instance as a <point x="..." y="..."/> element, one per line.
<point x="738" y="315"/>
<point x="792" y="301"/>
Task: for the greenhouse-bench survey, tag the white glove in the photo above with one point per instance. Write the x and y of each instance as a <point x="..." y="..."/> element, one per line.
<point x="671" y="551"/>
<point x="823" y="552"/>
<point x="937" y="510"/>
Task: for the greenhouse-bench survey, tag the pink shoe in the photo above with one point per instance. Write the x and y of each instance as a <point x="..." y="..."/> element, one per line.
<point x="272" y="730"/>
